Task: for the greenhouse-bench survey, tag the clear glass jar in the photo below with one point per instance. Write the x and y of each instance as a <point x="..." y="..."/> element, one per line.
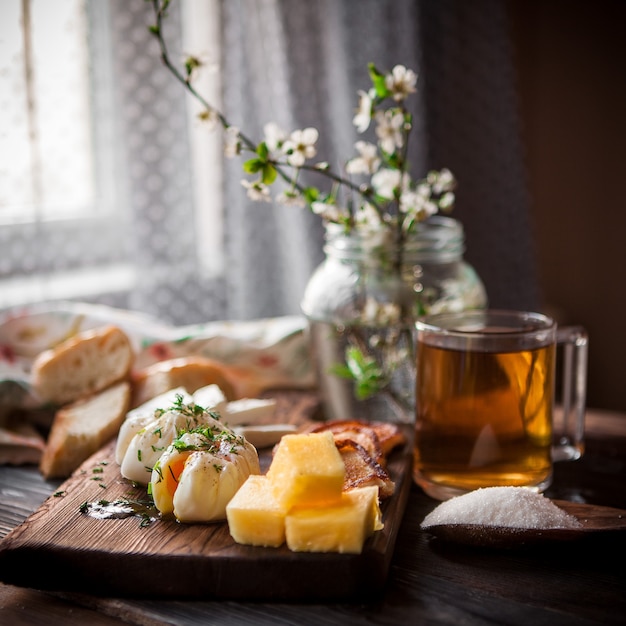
<point x="361" y="304"/>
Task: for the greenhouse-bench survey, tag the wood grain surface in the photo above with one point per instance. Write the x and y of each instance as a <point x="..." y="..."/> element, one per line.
<point x="59" y="547"/>
<point x="429" y="582"/>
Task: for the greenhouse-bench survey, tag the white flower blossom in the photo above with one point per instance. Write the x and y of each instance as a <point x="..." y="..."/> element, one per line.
<point x="368" y="160"/>
<point x="372" y="228"/>
<point x="424" y="190"/>
<point x="363" y="115"/>
<point x="391" y="313"/>
<point x="389" y="126"/>
<point x="319" y="208"/>
<point x="380" y="313"/>
<point x="401" y="82"/>
<point x="257" y="190"/>
<point x="329" y="211"/>
<point x="291" y="198"/>
<point x="417" y="204"/>
<point x="368" y="218"/>
<point x="385" y="182"/>
<point x="441" y="181"/>
<point x="274" y="137"/>
<point x="301" y="146"/>
<point x="195" y="63"/>
<point x="209" y="118"/>
<point x="446" y="202"/>
<point x="446" y="180"/>
<point x="232" y="143"/>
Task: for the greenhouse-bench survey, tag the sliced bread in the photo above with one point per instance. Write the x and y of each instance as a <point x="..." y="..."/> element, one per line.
<point x="191" y="373"/>
<point x="80" y="429"/>
<point x="86" y="363"/>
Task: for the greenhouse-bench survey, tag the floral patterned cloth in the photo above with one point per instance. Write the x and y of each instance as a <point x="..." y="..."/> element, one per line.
<point x="265" y="354"/>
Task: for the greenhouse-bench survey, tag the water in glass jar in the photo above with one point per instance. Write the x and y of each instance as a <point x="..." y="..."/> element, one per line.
<point x="390" y="350"/>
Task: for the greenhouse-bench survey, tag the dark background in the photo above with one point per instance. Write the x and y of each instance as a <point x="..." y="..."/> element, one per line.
<point x="571" y="63"/>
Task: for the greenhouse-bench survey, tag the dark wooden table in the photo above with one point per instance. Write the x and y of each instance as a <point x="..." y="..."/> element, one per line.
<point x="430" y="582"/>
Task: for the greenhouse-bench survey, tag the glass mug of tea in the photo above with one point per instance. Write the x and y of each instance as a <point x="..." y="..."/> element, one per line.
<point x="485" y="400"/>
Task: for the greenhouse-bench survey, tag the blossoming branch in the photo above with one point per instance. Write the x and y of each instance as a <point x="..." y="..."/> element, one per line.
<point x="375" y="193"/>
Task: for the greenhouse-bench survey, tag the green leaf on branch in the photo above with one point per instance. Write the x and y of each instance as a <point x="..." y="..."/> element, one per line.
<point x="252" y="166"/>
<point x="343" y="371"/>
<point x="378" y="81"/>
<point x="263" y="151"/>
<point x="368" y="377"/>
<point x="394" y="160"/>
<point x="191" y="63"/>
<point x="311" y="194"/>
<point x="268" y="175"/>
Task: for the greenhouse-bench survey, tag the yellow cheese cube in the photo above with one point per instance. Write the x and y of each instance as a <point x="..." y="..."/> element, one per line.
<point x="254" y="516"/>
<point x="338" y="527"/>
<point x="307" y="469"/>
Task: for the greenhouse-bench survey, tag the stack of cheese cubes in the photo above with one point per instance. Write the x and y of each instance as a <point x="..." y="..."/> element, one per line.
<point x="301" y="501"/>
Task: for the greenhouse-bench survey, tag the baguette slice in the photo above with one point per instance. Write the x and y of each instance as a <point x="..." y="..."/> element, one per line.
<point x="190" y="372"/>
<point x="85" y="364"/>
<point x="80" y="429"/>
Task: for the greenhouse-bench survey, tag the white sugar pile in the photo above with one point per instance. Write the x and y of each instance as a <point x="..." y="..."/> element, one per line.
<point x="510" y="507"/>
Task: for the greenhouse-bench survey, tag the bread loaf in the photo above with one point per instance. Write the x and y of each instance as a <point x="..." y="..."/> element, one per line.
<point x="85" y="364"/>
<point x="80" y="429"/>
<point x="191" y="373"/>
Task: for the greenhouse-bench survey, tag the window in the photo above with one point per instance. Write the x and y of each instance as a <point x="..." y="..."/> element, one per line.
<point x="46" y="161"/>
<point x="90" y="193"/>
<point x="201" y="36"/>
<point x="60" y="208"/>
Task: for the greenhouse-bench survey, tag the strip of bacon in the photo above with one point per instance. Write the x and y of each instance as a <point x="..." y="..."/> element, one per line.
<point x="353" y="430"/>
<point x="389" y="435"/>
<point x="378" y="438"/>
<point x="362" y="470"/>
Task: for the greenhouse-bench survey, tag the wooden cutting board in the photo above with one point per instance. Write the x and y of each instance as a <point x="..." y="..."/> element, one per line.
<point x="60" y="548"/>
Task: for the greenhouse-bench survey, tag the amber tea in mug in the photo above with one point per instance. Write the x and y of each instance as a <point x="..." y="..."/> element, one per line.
<point x="485" y="386"/>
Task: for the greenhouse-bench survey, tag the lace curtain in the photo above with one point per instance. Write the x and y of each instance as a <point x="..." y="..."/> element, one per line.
<point x="300" y="63"/>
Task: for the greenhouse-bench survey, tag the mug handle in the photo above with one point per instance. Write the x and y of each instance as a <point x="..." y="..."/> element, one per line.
<point x="569" y="424"/>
